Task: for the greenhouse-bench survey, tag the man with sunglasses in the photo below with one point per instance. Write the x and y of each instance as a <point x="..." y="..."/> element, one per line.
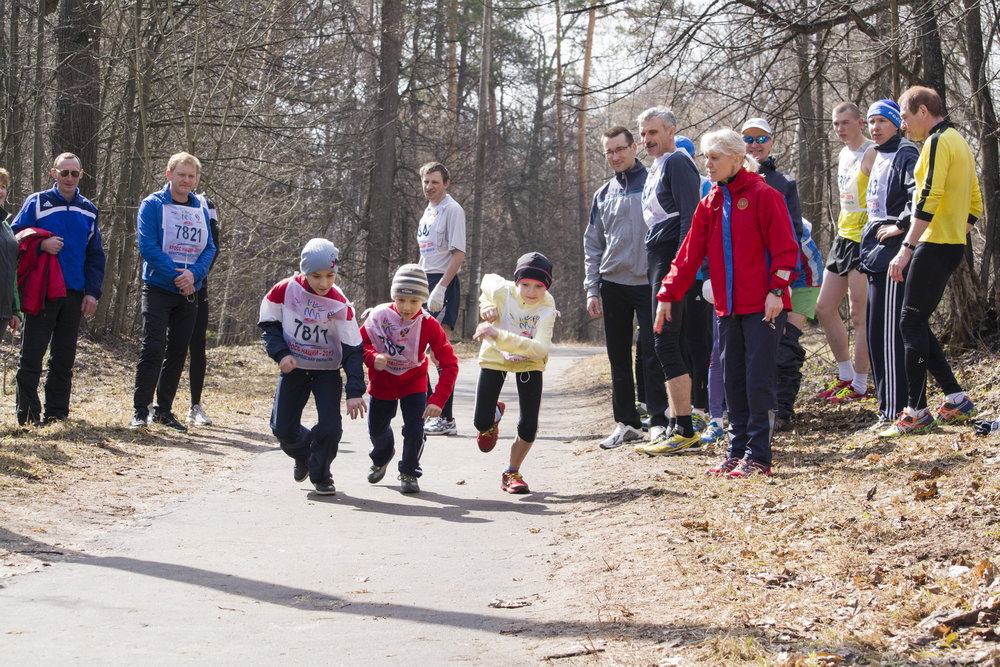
<point x="69" y="220"/>
<point x="759" y="138"/>
<point x="618" y="288"/>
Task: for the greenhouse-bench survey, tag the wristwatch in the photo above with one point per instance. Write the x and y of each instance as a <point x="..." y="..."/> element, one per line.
<point x="778" y="291"/>
<point x="907" y="244"/>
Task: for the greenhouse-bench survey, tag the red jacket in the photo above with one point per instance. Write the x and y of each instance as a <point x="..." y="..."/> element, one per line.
<point x="386" y="386"/>
<point x="756" y="252"/>
<point x="39" y="275"/>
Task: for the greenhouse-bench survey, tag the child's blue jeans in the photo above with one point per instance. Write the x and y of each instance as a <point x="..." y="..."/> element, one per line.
<point x="380" y="414"/>
<point x="319" y="444"/>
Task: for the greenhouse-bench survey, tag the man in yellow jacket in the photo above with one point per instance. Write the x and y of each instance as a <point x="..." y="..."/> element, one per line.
<point x="946" y="203"/>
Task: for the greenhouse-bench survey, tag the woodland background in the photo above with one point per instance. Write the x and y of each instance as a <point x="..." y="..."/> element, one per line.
<point x="312" y="118"/>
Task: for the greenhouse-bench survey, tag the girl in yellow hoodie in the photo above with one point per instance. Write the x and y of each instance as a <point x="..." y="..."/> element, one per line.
<point x="516" y="335"/>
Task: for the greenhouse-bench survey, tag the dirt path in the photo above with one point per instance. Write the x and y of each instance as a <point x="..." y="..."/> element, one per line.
<point x="256" y="569"/>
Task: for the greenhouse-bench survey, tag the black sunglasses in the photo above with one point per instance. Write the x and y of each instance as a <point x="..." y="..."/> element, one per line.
<point x="68" y="172"/>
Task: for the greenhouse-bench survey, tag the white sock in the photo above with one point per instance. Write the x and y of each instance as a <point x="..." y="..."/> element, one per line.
<point x="497" y="415"/>
<point x="910" y="411"/>
<point x="845" y="370"/>
<point x="956" y="398"/>
<point x="860" y="383"/>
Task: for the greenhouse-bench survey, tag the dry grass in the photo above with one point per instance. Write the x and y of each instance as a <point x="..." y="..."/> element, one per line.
<point x="837" y="559"/>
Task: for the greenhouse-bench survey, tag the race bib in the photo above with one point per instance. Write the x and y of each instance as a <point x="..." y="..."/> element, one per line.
<point x="521" y="321"/>
<point x="396" y="337"/>
<point x="652" y="211"/>
<point x="309" y="323"/>
<point x="185" y="233"/>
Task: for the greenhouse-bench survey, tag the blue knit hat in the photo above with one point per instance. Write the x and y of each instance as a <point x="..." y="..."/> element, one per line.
<point x="887" y="108"/>
<point x="685" y="143"/>
<point x="318" y="255"/>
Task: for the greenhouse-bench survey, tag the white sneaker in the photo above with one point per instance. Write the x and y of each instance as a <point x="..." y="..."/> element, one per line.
<point x="622" y="434"/>
<point x="440" y="426"/>
<point x="198" y="417"/>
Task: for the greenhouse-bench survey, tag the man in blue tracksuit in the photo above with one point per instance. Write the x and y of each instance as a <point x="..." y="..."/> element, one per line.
<point x="76" y="241"/>
<point x="618" y="288"/>
<point x="177" y="251"/>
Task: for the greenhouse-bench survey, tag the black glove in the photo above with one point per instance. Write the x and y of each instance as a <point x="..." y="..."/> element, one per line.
<point x="987" y="426"/>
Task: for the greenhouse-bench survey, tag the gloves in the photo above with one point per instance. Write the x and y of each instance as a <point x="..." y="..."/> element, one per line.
<point x="435" y="302"/>
<point x="706" y="291"/>
<point x="986" y="426"/>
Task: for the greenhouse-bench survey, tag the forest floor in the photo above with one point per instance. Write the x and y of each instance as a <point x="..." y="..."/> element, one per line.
<point x="856" y="551"/>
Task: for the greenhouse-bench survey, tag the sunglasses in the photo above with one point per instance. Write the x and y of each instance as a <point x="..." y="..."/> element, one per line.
<point x="759" y="140"/>
<point x="67" y="172"/>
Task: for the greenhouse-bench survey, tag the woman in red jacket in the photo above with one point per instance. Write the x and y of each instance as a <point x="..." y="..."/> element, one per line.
<point x="743" y="226"/>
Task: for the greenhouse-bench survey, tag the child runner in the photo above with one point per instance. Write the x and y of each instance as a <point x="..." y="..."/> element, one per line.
<point x="516" y="336"/>
<point x="310" y="331"/>
<point x="395" y="337"/>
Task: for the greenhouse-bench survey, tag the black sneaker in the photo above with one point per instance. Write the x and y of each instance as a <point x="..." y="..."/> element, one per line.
<point x="408" y="484"/>
<point x="167" y="419"/>
<point x="28" y="420"/>
<point x="140" y="419"/>
<point x="325" y="488"/>
<point x="301" y="470"/>
<point x="376" y="473"/>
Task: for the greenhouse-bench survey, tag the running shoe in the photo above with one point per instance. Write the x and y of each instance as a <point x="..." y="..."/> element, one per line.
<point x="440" y="426"/>
<point x="713" y="433"/>
<point x="675" y="444"/>
<point x="748" y="468"/>
<point x="512" y="482"/>
<point x="950" y="413"/>
<point x="880" y="424"/>
<point x="848" y="394"/>
<point x="198" y="417"/>
<point x="300" y="471"/>
<point x="487" y="440"/>
<point x="987" y="426"/>
<point x="408" y="484"/>
<point x="167" y="418"/>
<point x="657" y="434"/>
<point x="622" y="434"/>
<point x="325" y="488"/>
<point x="907" y="425"/>
<point x="642" y="410"/>
<point x="832" y="389"/>
<point x="376" y="473"/>
<point x="723" y="467"/>
<point x="699" y="420"/>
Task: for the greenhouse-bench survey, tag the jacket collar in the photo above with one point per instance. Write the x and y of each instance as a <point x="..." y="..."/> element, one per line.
<point x="624" y="177"/>
<point x="890" y="146"/>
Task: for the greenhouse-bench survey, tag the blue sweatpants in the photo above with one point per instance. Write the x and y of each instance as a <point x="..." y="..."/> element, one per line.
<point x="380" y="414"/>
<point x="749" y="347"/>
<point x="319" y="444"/>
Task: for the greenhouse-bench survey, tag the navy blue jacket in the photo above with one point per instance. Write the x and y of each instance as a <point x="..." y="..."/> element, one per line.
<point x="82" y="256"/>
<point x="890" y="197"/>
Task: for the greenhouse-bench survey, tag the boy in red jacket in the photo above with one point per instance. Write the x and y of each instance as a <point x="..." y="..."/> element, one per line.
<point x="395" y="337"/>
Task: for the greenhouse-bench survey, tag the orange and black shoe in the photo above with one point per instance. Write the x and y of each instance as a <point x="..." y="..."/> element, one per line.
<point x="512" y="482"/>
<point x="487" y="440"/>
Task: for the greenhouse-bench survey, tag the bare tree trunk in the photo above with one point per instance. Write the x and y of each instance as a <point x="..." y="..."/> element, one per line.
<point x="929" y="46"/>
<point x="583" y="181"/>
<point x="381" y="209"/>
<point x="39" y="160"/>
<point x="475" y="237"/>
<point x="452" y="69"/>
<point x="557" y="105"/>
<point x="79" y="85"/>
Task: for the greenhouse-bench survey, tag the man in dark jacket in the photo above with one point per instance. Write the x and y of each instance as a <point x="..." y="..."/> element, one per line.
<point x="76" y="241"/>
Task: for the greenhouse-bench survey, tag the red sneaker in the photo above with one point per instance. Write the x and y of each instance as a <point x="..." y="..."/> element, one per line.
<point x="848" y="394"/>
<point x="512" y="482"/>
<point x="749" y="468"/>
<point x="487" y="440"/>
<point x="723" y="467"/>
<point x="832" y="389"/>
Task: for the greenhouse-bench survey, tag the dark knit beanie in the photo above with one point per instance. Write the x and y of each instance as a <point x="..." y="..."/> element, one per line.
<point x="318" y="255"/>
<point x="534" y="266"/>
<point x="410" y="280"/>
